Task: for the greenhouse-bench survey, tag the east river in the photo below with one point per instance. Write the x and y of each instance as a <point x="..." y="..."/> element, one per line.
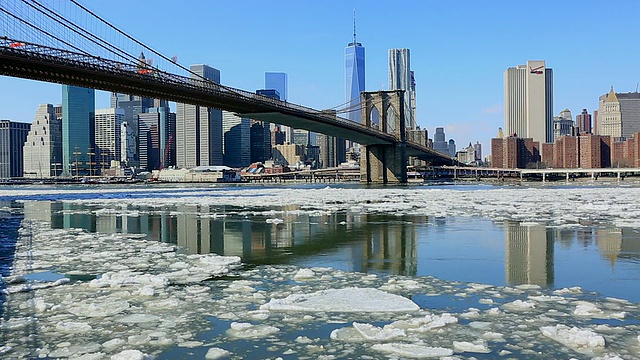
<point x="321" y="272"/>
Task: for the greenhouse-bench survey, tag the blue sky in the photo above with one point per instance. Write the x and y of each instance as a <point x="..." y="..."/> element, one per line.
<point x="459" y="51"/>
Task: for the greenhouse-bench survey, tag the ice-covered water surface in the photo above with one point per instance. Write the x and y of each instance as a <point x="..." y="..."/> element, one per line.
<point x="553" y="206"/>
<point x="85" y="295"/>
<point x="117" y="295"/>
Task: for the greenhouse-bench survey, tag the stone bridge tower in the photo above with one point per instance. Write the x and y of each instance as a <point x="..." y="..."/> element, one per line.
<point x="384" y="110"/>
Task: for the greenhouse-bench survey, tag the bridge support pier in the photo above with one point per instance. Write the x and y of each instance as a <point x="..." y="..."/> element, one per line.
<point x="384" y="163"/>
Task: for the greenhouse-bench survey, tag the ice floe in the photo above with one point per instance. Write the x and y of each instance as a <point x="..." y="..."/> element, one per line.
<point x="414" y="351"/>
<point x="343" y="300"/>
<point x="578" y="339"/>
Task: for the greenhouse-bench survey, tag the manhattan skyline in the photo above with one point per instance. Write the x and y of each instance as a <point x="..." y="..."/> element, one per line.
<point x="459" y="52"/>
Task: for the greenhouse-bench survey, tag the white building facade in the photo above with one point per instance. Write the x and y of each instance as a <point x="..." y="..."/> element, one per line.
<point x="43" y="148"/>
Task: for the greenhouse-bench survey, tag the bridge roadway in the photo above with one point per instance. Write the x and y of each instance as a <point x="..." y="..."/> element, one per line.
<point x="43" y="63"/>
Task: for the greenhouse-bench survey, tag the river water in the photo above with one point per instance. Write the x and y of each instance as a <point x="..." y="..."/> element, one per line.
<point x="538" y="271"/>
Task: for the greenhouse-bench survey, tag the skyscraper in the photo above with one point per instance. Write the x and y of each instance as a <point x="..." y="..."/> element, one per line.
<point x="619" y="114"/>
<point x="199" y="129"/>
<point x="562" y="124"/>
<point x="78" y="123"/>
<point x="12" y="137"/>
<point x="107" y="135"/>
<point x="400" y="78"/>
<point x="528" y="101"/>
<point x="583" y="121"/>
<point x="43" y="148"/>
<point x="354" y="76"/>
<point x="279" y="81"/>
<point x="156" y="145"/>
<point x="237" y="140"/>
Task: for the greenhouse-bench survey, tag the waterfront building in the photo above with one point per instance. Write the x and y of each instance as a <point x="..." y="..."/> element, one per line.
<point x="618" y="114"/>
<point x="260" y="142"/>
<point x="236" y="140"/>
<point x="278" y="137"/>
<point x="108" y="123"/>
<point x="13" y="135"/>
<point x="43" y="148"/>
<point x="452" y="148"/>
<point x="528" y="101"/>
<point x="292" y="155"/>
<point x="156" y="134"/>
<point x="514" y="152"/>
<point x="199" y="129"/>
<point x="467" y="155"/>
<point x="78" y="130"/>
<point x="562" y="124"/>
<point x="332" y="151"/>
<point x="354" y="76"/>
<point x="478" y="150"/>
<point x="400" y="79"/>
<point x="128" y="146"/>
<point x="583" y="122"/>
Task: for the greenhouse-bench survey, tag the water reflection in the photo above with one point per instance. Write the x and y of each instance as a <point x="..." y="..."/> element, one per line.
<point x="371" y="243"/>
<point x="529" y="254"/>
<point x="450" y="248"/>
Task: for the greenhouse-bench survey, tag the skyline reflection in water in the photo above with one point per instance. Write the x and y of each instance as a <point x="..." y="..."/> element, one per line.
<point x="460" y="249"/>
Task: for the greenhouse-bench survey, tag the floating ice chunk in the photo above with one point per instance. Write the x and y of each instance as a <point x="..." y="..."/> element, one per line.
<point x="108" y="307"/>
<point x="130" y="355"/>
<point x="71" y="327"/>
<point x="480" y="325"/>
<point x="33" y="286"/>
<point x="412" y="350"/>
<point x="5" y="349"/>
<point x="575" y="338"/>
<point x="137" y="318"/>
<point x="343" y="300"/>
<point x="528" y="287"/>
<point x="137" y="340"/>
<point x="128" y="278"/>
<point x="74" y="350"/>
<point x="92" y="356"/>
<point x="546" y="298"/>
<point x="304" y="274"/>
<point x="159" y="248"/>
<point x="571" y="290"/>
<point x="426" y="323"/>
<point x="493" y="336"/>
<point x="259" y="314"/>
<point x="486" y="301"/>
<point x="113" y="344"/>
<point x="519" y="305"/>
<point x="479" y="346"/>
<point x="216" y="353"/>
<point x="587" y="309"/>
<point x="274" y="221"/>
<point x="250" y="331"/>
<point x="367" y="332"/>
<point x="608" y="357"/>
<point x="304" y="340"/>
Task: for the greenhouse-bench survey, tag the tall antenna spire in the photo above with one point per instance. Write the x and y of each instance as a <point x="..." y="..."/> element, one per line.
<point x="354" y="26"/>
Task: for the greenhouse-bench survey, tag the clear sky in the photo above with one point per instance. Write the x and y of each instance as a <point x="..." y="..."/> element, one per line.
<point x="459" y="51"/>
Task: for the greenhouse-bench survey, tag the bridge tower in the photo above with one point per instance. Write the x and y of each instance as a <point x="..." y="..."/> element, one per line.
<point x="383" y="164"/>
